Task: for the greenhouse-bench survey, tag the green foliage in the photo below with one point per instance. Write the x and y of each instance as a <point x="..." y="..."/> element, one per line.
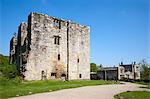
<point x="147" y="84"/>
<point x="12" y="88"/>
<point x="133" y="95"/>
<point x="93" y="67"/>
<point x="7" y="82"/>
<point x="7" y="70"/>
<point x="145" y="72"/>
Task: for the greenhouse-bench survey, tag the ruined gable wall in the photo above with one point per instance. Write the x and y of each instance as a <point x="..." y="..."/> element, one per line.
<point x="22" y="34"/>
<point x="13" y="43"/>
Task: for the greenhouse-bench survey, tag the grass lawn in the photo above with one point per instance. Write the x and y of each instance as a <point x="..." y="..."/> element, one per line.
<point x="133" y="95"/>
<point x="145" y="83"/>
<point x="13" y="89"/>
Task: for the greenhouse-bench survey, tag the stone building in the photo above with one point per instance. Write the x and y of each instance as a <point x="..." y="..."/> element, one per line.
<point x="51" y="48"/>
<point x="129" y="71"/>
<point x="108" y="73"/>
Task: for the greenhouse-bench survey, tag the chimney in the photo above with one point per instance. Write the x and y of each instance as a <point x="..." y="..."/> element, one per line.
<point x="121" y="63"/>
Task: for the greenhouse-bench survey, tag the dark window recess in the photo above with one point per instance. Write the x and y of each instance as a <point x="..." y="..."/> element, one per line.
<point x="58" y="56"/>
<point x="78" y="60"/>
<point x="42" y="72"/>
<point x="63" y="75"/>
<point x="80" y="75"/>
<point x="53" y="74"/>
<point x="59" y="24"/>
<point x="43" y="75"/>
<point x="56" y="40"/>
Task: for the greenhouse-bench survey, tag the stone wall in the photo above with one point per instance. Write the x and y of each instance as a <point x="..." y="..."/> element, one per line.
<point x="79" y="63"/>
<point x="132" y="71"/>
<point x="21" y="46"/>
<point x="53" y="48"/>
<point x="137" y="71"/>
<point x="121" y="72"/>
<point x="108" y="73"/>
<point x="13" y="49"/>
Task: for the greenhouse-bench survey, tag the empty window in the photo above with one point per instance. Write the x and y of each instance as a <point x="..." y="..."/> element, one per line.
<point x="57" y="23"/>
<point x="53" y="74"/>
<point x="78" y="60"/>
<point x="63" y="75"/>
<point x="80" y="75"/>
<point x="56" y="40"/>
<point x="43" y="75"/>
<point x="58" y="56"/>
<point x="42" y="72"/>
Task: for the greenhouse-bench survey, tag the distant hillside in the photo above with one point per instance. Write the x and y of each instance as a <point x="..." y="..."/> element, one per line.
<point x="4" y="60"/>
<point x="1" y="55"/>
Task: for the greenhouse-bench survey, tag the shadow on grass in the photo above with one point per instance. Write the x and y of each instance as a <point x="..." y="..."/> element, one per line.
<point x="147" y="87"/>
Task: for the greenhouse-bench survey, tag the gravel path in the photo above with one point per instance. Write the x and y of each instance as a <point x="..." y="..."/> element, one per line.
<point x="88" y="92"/>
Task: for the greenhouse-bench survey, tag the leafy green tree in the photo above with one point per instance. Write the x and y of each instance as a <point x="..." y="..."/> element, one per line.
<point x="93" y="67"/>
<point x="7" y="70"/>
<point x="145" y="71"/>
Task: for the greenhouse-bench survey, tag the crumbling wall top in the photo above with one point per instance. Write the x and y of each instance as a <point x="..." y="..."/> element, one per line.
<point x="70" y="21"/>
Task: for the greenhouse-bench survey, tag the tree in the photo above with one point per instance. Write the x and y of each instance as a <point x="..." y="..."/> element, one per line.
<point x="93" y="67"/>
<point x="145" y="71"/>
<point x="7" y="70"/>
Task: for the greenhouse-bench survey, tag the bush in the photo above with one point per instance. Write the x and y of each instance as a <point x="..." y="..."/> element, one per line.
<point x="7" y="70"/>
<point x="93" y="67"/>
<point x="12" y="81"/>
<point x="145" y="72"/>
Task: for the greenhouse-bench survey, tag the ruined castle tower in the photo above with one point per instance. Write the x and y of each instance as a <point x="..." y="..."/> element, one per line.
<point x="51" y="48"/>
<point x="13" y="48"/>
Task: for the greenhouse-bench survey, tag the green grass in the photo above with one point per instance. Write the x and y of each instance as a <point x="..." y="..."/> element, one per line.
<point x="133" y="95"/>
<point x="144" y="83"/>
<point x="11" y="88"/>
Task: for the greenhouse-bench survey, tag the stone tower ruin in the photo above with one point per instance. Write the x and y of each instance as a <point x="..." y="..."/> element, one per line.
<point x="50" y="48"/>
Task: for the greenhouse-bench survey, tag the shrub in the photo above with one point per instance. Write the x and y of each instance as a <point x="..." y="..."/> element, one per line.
<point x="7" y="70"/>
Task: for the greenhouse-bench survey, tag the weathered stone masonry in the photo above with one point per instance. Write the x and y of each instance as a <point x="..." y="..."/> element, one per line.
<point x="51" y="48"/>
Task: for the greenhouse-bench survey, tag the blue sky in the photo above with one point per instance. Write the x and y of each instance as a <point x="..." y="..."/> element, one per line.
<point x="119" y="28"/>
